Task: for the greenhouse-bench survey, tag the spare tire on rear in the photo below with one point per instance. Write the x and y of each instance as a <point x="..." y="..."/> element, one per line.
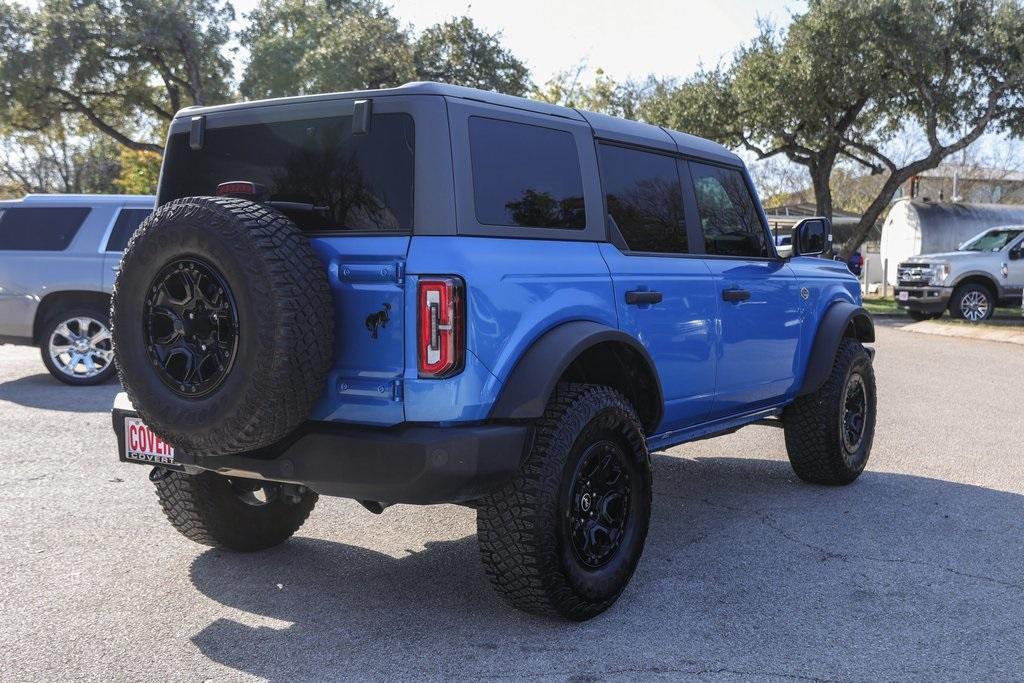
<point x="222" y="325"/>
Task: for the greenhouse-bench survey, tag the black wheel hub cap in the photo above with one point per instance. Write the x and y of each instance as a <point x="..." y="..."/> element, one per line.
<point x="599" y="503"/>
<point x="855" y="410"/>
<point x="191" y="327"/>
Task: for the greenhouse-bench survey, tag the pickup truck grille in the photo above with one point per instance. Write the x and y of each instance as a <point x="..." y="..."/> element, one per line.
<point x="913" y="274"/>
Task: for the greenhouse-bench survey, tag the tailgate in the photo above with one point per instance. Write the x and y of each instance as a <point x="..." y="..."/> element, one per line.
<point x="367" y="279"/>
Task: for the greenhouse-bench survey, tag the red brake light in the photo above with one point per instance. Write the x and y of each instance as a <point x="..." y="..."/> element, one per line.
<point x="239" y="188"/>
<point x="441" y="314"/>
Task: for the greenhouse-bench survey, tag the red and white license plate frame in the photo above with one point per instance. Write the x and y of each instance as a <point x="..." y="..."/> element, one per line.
<point x="142" y="445"/>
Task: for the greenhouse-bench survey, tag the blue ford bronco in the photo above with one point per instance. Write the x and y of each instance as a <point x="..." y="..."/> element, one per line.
<point x="433" y="294"/>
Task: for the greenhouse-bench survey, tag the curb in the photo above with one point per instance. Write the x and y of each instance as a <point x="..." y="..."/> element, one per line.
<point x="1003" y="334"/>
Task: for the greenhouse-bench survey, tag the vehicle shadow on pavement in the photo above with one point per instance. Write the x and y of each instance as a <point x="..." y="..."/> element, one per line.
<point x="748" y="573"/>
<point x="46" y="393"/>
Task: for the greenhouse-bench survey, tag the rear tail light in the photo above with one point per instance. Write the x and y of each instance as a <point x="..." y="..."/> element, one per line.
<point x="442" y="339"/>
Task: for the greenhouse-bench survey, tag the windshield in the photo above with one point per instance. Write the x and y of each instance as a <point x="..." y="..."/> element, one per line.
<point x="992" y="240"/>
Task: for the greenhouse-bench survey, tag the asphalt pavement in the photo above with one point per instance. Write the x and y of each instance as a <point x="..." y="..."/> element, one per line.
<point x="915" y="572"/>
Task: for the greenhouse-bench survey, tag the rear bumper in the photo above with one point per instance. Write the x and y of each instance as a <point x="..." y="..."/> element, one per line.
<point x="925" y="299"/>
<point x="416" y="464"/>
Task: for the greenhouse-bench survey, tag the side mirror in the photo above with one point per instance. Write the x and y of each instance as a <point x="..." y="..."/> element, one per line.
<point x="1016" y="253"/>
<point x="812" y="236"/>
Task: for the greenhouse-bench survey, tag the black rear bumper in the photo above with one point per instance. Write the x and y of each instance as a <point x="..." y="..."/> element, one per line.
<point x="410" y="464"/>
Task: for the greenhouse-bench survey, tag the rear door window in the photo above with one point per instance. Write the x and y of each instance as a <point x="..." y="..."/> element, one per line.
<point x="349" y="182"/>
<point x="128" y="221"/>
<point x="40" y="228"/>
<point x="728" y="214"/>
<point x="644" y="199"/>
<point x="525" y="176"/>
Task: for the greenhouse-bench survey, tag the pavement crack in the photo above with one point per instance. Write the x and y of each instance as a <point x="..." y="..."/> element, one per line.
<point x="825" y="554"/>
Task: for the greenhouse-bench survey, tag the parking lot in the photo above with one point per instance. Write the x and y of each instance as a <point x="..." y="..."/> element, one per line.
<point x="914" y="572"/>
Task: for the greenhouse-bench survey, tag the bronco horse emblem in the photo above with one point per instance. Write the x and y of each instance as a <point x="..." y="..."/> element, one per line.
<point x="377" y="320"/>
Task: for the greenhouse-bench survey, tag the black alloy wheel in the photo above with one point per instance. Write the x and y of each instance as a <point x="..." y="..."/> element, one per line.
<point x="599" y="504"/>
<point x="191" y="327"/>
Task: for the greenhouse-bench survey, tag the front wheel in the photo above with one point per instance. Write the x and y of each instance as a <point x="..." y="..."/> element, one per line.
<point x="565" y="536"/>
<point x="973" y="303"/>
<point x="829" y="433"/>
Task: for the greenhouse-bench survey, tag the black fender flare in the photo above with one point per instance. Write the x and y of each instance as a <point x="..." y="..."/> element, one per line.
<point x="840" y="317"/>
<point x="533" y="379"/>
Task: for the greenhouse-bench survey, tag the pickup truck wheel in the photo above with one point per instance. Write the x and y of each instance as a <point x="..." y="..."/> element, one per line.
<point x="973" y="303"/>
<point x="564" y="537"/>
<point x="234" y="514"/>
<point x="223" y="325"/>
<point x="829" y="432"/>
<point x="76" y="345"/>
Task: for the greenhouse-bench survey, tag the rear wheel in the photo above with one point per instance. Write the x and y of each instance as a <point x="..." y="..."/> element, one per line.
<point x="76" y="345"/>
<point x="232" y="513"/>
<point x="565" y="536"/>
<point x="973" y="303"/>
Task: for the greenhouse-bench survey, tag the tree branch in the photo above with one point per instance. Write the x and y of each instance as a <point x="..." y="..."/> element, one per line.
<point x="78" y="105"/>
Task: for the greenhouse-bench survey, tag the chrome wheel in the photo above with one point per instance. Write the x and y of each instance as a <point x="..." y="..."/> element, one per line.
<point x="80" y="347"/>
<point x="974" y="305"/>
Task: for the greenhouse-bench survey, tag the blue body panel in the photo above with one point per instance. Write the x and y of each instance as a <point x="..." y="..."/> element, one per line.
<point x="366" y="275"/>
<point x="679" y="332"/>
<point x="720" y="364"/>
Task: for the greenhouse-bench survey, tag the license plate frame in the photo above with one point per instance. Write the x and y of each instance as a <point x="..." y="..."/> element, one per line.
<point x="903" y="296"/>
<point x="142" y="445"/>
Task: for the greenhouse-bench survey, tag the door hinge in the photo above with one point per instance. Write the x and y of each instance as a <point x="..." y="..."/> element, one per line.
<point x="397" y="391"/>
<point x="400" y="272"/>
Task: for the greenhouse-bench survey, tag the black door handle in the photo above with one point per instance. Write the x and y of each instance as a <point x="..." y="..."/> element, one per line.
<point x="643" y="297"/>
<point x="735" y="295"/>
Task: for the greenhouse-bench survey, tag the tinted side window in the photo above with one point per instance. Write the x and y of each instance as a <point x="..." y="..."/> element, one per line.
<point x="728" y="214"/>
<point x="525" y="176"/>
<point x="128" y="220"/>
<point x="40" y="228"/>
<point x="644" y="198"/>
<point x="353" y="182"/>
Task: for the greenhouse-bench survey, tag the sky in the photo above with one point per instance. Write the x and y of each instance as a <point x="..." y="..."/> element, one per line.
<point x="626" y="39"/>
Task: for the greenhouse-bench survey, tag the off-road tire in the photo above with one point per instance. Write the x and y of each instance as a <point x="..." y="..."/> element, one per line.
<point x="206" y="509"/>
<point x="813" y="423"/>
<point x="285" y="324"/>
<point x="94" y="311"/>
<point x="963" y="291"/>
<point x="522" y="529"/>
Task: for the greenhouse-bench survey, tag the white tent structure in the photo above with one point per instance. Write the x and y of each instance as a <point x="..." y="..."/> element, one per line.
<point x="920" y="227"/>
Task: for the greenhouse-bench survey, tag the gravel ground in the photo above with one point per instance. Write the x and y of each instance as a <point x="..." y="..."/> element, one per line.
<point x="914" y="572"/>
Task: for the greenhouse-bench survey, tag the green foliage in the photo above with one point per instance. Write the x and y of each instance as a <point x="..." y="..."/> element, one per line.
<point x="122" y="65"/>
<point x="602" y="94"/>
<point x="299" y="47"/>
<point x="140" y="171"/>
<point x="460" y="53"/>
<point x="848" y="75"/>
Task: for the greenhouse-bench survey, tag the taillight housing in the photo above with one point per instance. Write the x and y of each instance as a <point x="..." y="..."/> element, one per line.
<point x="441" y="311"/>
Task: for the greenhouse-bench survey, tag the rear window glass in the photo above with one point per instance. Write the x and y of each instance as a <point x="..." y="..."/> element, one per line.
<point x="644" y="199"/>
<point x="126" y="224"/>
<point x="40" y="228"/>
<point x="351" y="182"/>
<point x="525" y="176"/>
